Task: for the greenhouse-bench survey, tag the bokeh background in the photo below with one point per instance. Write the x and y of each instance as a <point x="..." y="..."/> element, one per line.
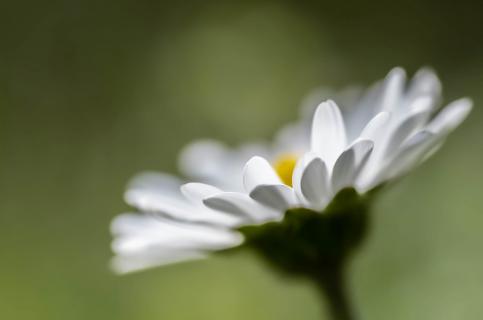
<point x="92" y="92"/>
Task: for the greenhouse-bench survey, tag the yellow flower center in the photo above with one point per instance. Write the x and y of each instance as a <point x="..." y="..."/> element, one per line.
<point x="284" y="166"/>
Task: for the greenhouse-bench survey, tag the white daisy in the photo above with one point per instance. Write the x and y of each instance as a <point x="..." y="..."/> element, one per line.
<point x="381" y="135"/>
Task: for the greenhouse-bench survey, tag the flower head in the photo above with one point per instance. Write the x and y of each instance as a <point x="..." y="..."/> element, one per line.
<point x="378" y="136"/>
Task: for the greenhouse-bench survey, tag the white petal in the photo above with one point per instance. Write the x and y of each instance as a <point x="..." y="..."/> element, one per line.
<point x="196" y="192"/>
<point x="328" y="132"/>
<point x="293" y="138"/>
<point x="343" y="170"/>
<point x="409" y="156"/>
<point x="392" y="90"/>
<point x="349" y="164"/>
<point x="259" y="172"/>
<point x="123" y="264"/>
<point x="424" y="82"/>
<point x="201" y="159"/>
<point x="160" y="194"/>
<point x="362" y="150"/>
<point x="129" y="223"/>
<point x="388" y="141"/>
<point x="376" y="126"/>
<point x="298" y="172"/>
<point x="363" y="111"/>
<point x="149" y="190"/>
<point x="139" y="232"/>
<point x="404" y="129"/>
<point x="315" y="183"/>
<point x="212" y="162"/>
<point x="451" y="116"/>
<point x="278" y="197"/>
<point x="421" y="104"/>
<point x="151" y="201"/>
<point x="241" y="205"/>
<point x="143" y="241"/>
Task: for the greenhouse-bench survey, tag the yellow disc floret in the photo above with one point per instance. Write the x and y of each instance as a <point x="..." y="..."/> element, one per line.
<point x="284" y="166"/>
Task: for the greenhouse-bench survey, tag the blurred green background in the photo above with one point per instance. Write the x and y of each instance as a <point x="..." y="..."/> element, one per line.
<point x="92" y="92"/>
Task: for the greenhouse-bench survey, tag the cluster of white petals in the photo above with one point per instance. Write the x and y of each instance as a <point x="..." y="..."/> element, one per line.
<point x="378" y="136"/>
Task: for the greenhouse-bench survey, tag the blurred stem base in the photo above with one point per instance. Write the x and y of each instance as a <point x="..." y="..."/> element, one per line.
<point x="317" y="245"/>
<point x="333" y="291"/>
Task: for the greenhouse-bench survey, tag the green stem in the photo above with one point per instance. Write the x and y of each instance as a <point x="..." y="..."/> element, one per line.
<point x="333" y="288"/>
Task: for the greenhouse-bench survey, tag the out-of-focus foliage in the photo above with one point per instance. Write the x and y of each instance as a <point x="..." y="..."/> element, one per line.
<point x="92" y="92"/>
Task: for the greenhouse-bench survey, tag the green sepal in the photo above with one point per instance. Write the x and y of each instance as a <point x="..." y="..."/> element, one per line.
<point x="307" y="242"/>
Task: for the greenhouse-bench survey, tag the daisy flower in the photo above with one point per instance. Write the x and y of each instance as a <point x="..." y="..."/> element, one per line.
<point x="303" y="204"/>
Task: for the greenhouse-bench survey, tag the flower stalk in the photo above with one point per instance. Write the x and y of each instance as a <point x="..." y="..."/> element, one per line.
<point x="333" y="289"/>
<point x="317" y="246"/>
